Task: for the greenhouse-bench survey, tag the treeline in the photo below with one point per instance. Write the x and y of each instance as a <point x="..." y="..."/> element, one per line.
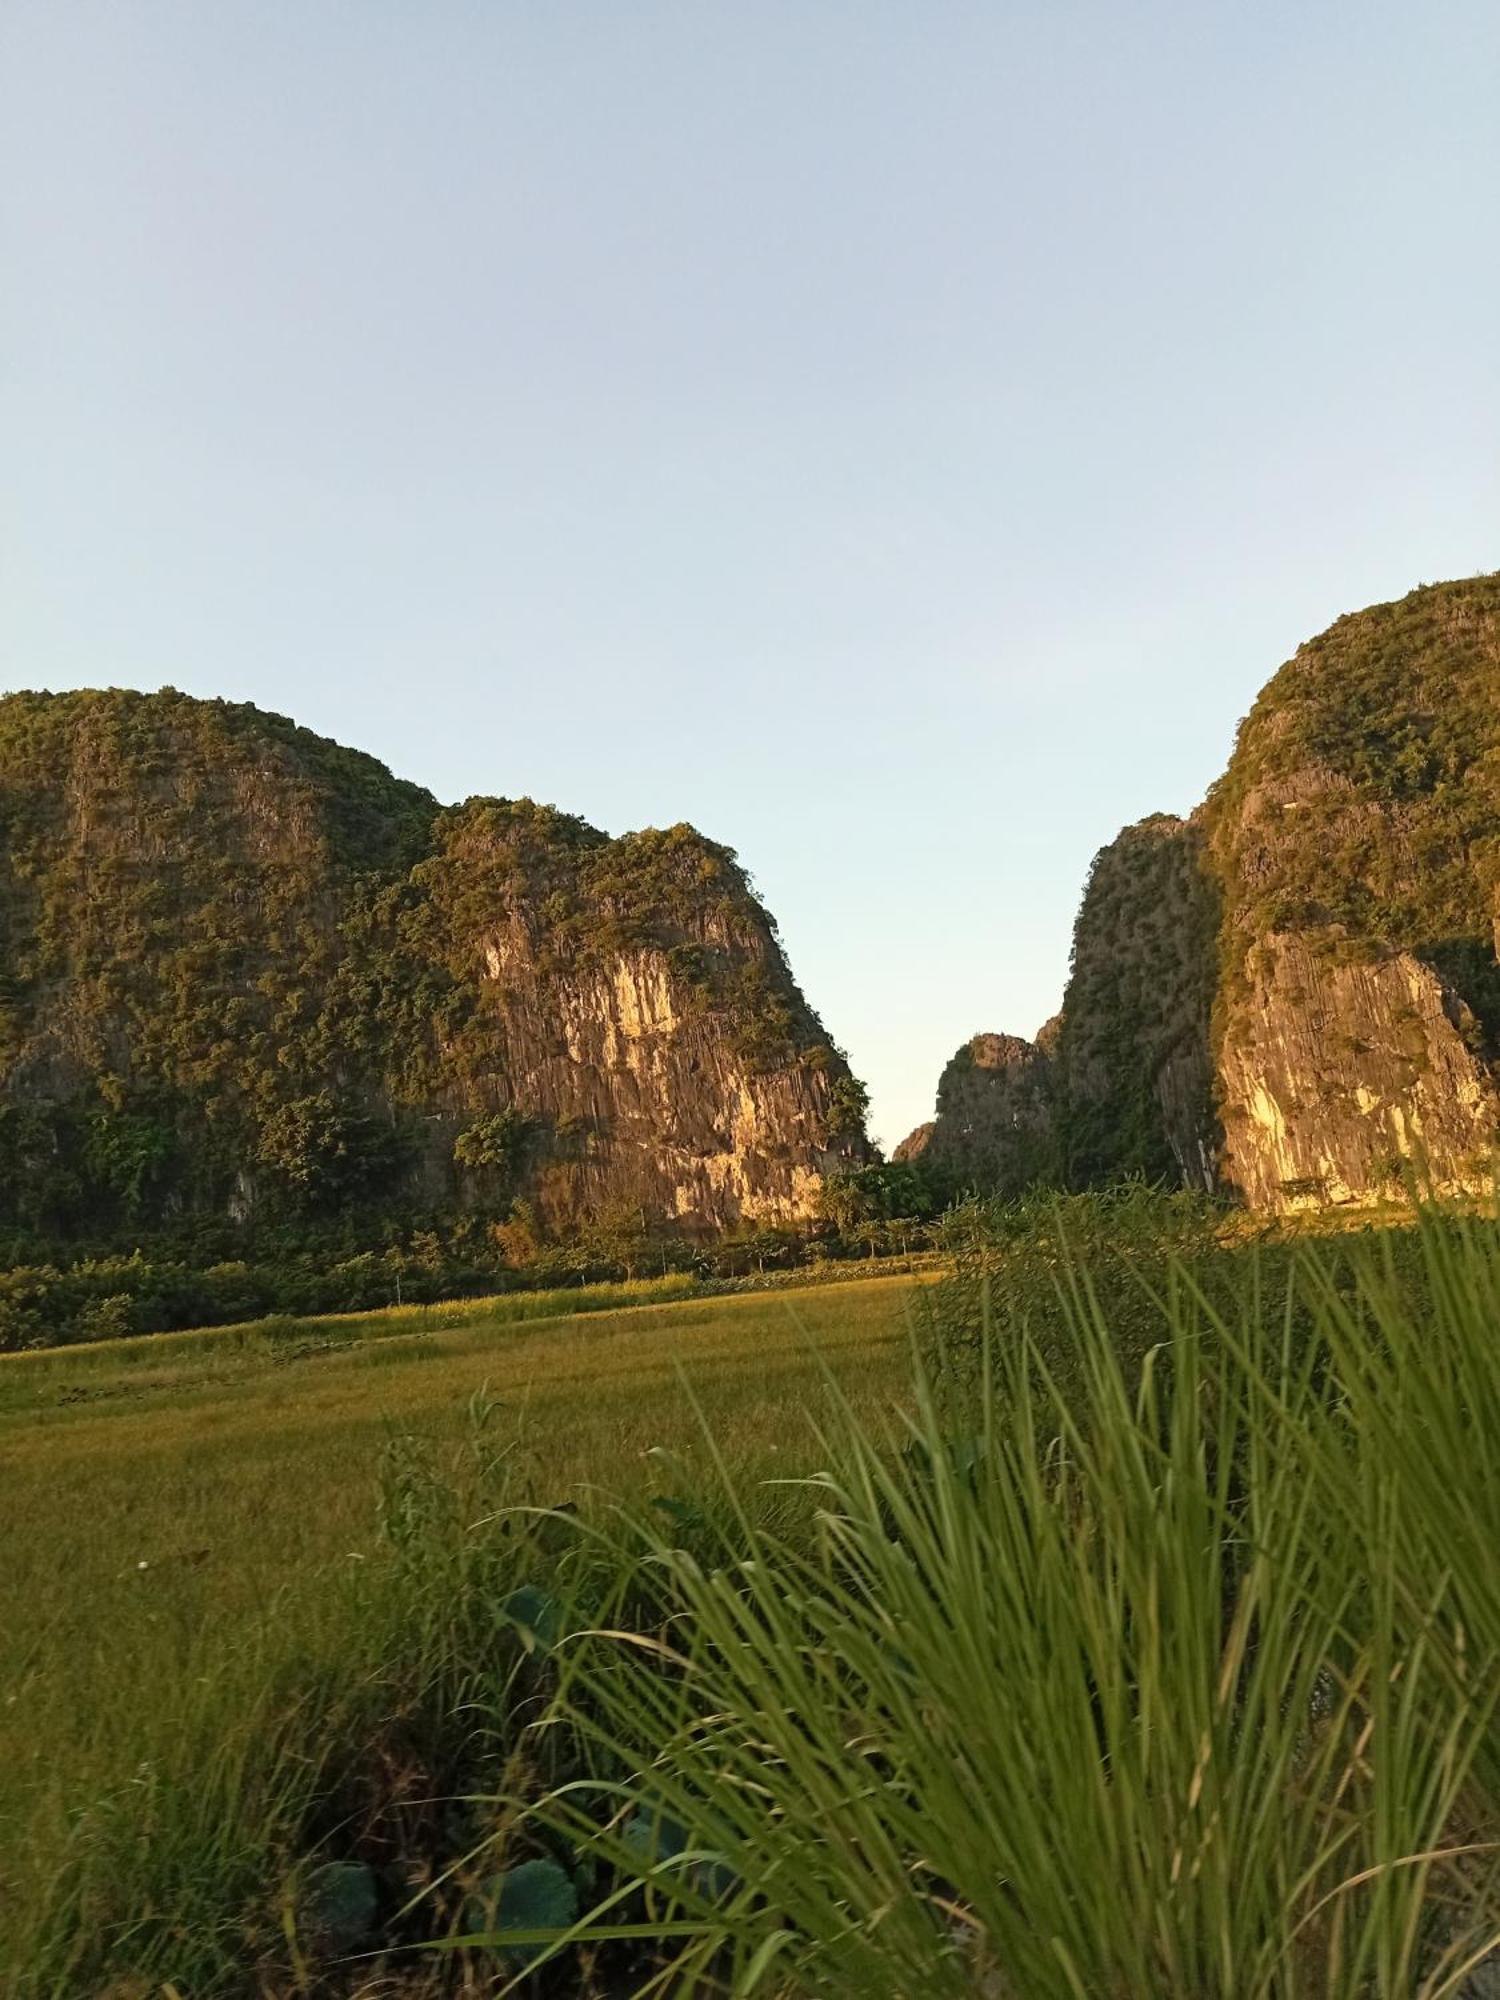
<point x="169" y="1283"/>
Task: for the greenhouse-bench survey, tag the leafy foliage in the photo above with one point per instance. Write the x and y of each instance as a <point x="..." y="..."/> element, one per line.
<point x="1139" y="997"/>
<point x="251" y="979"/>
<point x="915" y="1190"/>
<point x="1202" y="1622"/>
<point x="1193" y="1625"/>
<point x="1363" y="799"/>
<point x="495" y="1144"/>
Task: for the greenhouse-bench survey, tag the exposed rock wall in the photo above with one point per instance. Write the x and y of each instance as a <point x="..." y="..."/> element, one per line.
<point x="914" y="1145"/>
<point x="246" y="973"/>
<point x="1294" y="995"/>
<point x="1357" y="838"/>
<point x="1335" y="1074"/>
<point x="664" y="1059"/>
<point x="1296" y="991"/>
<point x="646" y="1103"/>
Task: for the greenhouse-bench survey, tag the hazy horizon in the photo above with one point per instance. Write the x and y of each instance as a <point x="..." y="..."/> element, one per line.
<point x="901" y="442"/>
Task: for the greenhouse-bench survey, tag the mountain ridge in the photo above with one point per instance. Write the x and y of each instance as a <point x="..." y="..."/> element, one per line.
<point x="250" y="972"/>
<point x="1293" y="995"/>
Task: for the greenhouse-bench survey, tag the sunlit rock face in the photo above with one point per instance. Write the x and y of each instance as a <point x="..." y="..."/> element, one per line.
<point x="247" y="972"/>
<point x="914" y="1145"/>
<point x="1295" y="994"/>
<point x="1336" y="1075"/>
<point x="684" y="1076"/>
<point x="1356" y="836"/>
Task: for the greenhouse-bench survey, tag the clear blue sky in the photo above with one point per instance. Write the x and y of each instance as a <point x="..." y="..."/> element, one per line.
<point x="898" y="438"/>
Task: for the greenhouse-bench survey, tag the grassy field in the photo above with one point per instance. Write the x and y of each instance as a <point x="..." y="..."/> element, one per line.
<point x="376" y="1657"/>
<point x="188" y="1516"/>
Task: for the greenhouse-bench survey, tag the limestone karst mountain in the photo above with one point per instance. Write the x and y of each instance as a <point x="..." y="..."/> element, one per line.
<point x="244" y="971"/>
<point x="1294" y="995"/>
<point x="1133" y="1082"/>
<point x="994" y="1118"/>
<point x="1355" y="839"/>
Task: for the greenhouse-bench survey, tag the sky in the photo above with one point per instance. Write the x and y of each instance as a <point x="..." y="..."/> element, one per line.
<point x="899" y="439"/>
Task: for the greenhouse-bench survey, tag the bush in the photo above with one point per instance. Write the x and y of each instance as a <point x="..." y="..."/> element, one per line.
<point x="1021" y="1266"/>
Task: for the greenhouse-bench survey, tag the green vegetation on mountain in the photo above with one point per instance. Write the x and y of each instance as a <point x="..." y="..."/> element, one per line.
<point x="1363" y="797"/>
<point x="253" y="983"/>
<point x="1356" y="841"/>
<point x="1294" y="994"/>
<point x="996" y="1125"/>
<point x="1134" y="1029"/>
<point x="173" y="880"/>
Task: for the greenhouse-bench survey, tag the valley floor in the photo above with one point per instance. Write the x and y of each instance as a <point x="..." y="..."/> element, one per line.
<point x="176" y="1504"/>
<point x="355" y="1659"/>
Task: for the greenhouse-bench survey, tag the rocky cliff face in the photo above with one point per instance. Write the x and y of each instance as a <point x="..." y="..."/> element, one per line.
<point x="1294" y="994"/>
<point x="1296" y="991"/>
<point x="1336" y="1075"/>
<point x="631" y="999"/>
<point x="247" y="972"/>
<point x="1357" y="838"/>
<point x="995" y="1122"/>
<point x="1135" y="1077"/>
<point x="914" y="1145"/>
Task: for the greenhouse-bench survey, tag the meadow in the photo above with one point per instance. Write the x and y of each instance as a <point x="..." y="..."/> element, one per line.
<point x="1113" y="1614"/>
<point x="194" y="1535"/>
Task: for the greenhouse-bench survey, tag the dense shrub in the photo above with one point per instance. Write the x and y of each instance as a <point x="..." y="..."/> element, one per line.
<point x="187" y="1282"/>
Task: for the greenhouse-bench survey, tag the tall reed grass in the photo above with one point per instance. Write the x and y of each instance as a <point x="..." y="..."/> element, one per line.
<point x="1173" y="1680"/>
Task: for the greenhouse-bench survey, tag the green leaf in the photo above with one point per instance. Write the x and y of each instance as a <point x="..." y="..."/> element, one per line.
<point x="537" y="1901"/>
<point x="536" y="1616"/>
<point x="340" y="1905"/>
